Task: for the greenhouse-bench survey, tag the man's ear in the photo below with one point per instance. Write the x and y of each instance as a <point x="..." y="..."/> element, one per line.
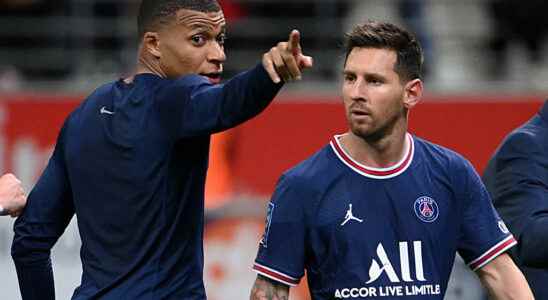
<point x="151" y="44"/>
<point x="412" y="93"/>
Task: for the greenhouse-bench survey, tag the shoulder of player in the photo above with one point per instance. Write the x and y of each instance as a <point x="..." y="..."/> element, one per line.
<point x="310" y="171"/>
<point x="438" y="154"/>
<point x="190" y="81"/>
<point x="528" y="139"/>
<point x="451" y="164"/>
<point x="184" y="89"/>
<point x="98" y="95"/>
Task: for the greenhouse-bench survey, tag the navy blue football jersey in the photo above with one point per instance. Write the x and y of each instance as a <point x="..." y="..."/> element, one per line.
<point x="367" y="233"/>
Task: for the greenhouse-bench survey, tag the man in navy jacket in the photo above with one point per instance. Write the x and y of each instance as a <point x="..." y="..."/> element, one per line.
<point x="517" y="178"/>
<point x="131" y="160"/>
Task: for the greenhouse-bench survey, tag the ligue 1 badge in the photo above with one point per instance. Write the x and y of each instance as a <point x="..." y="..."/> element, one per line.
<point x="426" y="209"/>
<point x="269" y="211"/>
<point x="503" y="227"/>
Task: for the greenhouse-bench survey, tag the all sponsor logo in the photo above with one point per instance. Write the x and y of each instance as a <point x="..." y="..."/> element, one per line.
<point x="404" y="281"/>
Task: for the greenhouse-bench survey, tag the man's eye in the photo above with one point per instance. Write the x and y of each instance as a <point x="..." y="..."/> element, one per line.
<point x="349" y="78"/>
<point x="221" y="39"/>
<point x="375" y="81"/>
<point x="198" y="40"/>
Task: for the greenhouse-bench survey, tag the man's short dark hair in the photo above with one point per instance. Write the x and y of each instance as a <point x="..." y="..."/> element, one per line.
<point x="154" y="13"/>
<point x="381" y="35"/>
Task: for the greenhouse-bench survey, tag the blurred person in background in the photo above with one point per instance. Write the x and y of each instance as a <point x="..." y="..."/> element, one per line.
<point x="517" y="179"/>
<point x="379" y="212"/>
<point x="25" y="36"/>
<point x="131" y="160"/>
<point x="518" y="21"/>
<point x="12" y="196"/>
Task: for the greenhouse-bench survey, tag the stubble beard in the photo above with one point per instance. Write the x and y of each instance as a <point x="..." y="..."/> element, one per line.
<point x="372" y="134"/>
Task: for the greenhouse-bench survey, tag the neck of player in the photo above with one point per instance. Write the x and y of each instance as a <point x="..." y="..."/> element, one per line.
<point x="380" y="153"/>
<point x="147" y="63"/>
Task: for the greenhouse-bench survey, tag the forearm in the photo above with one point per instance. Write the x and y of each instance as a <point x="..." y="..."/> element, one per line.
<point x="533" y="247"/>
<point x="504" y="281"/>
<point x="31" y="256"/>
<point x="36" y="280"/>
<point x="267" y="289"/>
<point x="246" y="95"/>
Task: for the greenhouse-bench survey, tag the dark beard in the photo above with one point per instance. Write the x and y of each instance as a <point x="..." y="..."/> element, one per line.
<point x="380" y="133"/>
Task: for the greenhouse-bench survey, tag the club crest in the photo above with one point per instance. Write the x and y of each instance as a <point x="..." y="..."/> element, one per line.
<point x="426" y="209"/>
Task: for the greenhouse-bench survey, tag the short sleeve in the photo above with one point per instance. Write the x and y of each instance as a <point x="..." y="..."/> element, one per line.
<point x="484" y="236"/>
<point x="281" y="252"/>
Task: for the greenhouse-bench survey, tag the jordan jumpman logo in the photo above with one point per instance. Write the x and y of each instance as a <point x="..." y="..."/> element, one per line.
<point x="349" y="216"/>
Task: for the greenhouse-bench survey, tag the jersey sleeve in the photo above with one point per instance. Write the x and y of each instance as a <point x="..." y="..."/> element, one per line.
<point x="483" y="236"/>
<point x="281" y="252"/>
<point x="191" y="106"/>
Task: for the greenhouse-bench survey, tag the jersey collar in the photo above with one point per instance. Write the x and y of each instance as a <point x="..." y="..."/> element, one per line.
<point x="376" y="173"/>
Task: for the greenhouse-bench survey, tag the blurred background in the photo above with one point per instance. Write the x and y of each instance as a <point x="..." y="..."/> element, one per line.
<point x="486" y="72"/>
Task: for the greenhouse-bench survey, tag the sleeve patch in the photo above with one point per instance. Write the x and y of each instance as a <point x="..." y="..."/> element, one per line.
<point x="268" y="221"/>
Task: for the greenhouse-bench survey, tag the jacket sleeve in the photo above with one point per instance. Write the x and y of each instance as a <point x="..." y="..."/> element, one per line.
<point x="47" y="214"/>
<point x="191" y="106"/>
<point x="520" y="194"/>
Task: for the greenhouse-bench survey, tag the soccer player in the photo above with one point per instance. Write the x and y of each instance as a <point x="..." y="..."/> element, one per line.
<point x="379" y="213"/>
<point x="131" y="160"/>
<point x="12" y="196"/>
<point x="517" y="179"/>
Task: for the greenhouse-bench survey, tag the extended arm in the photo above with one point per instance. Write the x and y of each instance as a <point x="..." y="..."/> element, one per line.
<point x="503" y="280"/>
<point x="46" y="216"/>
<point x="194" y="107"/>
<point x="268" y="289"/>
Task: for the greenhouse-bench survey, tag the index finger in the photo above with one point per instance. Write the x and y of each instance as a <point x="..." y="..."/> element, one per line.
<point x="294" y="42"/>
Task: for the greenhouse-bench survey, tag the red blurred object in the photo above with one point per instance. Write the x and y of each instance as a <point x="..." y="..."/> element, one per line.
<point x="286" y="133"/>
<point x="232" y="10"/>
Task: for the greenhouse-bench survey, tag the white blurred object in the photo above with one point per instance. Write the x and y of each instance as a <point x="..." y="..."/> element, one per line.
<point x="10" y="79"/>
<point x="463" y="283"/>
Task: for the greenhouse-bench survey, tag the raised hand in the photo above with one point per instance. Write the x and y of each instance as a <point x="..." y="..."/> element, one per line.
<point x="286" y="60"/>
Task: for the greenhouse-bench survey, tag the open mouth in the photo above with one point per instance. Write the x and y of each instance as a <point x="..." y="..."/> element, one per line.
<point x="214" y="78"/>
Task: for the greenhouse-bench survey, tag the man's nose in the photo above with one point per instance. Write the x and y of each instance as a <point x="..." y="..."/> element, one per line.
<point x="216" y="53"/>
<point x="358" y="91"/>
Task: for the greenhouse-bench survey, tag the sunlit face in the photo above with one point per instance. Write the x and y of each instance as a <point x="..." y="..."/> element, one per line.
<point x="194" y="44"/>
<point x="372" y="92"/>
